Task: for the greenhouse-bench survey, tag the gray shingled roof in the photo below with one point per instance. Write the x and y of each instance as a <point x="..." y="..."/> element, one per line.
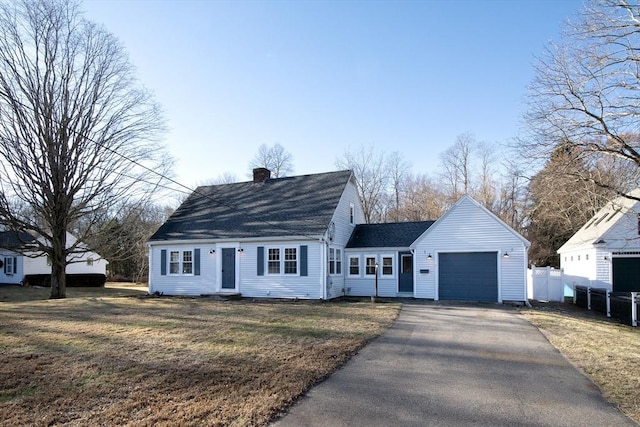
<point x="291" y="206"/>
<point x="387" y="235"/>
<point x="11" y="240"/>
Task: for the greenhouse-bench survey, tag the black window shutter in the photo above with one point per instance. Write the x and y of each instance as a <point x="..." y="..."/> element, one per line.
<point x="15" y="265"/>
<point x="196" y="262"/>
<point x="260" y="260"/>
<point x="163" y="262"/>
<point x="303" y="261"/>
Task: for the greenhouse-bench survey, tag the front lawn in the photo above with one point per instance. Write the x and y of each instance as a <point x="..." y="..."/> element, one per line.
<point x="607" y="351"/>
<point x="126" y="360"/>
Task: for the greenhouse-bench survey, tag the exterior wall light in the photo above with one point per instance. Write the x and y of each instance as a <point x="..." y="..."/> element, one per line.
<point x="212" y="251"/>
<point x="240" y="250"/>
<point x="429" y="257"/>
<point x="506" y="255"/>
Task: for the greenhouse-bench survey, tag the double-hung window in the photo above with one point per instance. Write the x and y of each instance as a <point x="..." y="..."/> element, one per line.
<point x="282" y="260"/>
<point x="181" y="262"/>
<point x="187" y="262"/>
<point x="273" y="262"/>
<point x="335" y="261"/>
<point x="174" y="262"/>
<point x="387" y="265"/>
<point x="354" y="266"/>
<point x="290" y="261"/>
<point x="10" y="267"/>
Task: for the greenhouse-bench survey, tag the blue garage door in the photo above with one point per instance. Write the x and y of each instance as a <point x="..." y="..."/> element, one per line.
<point x="471" y="276"/>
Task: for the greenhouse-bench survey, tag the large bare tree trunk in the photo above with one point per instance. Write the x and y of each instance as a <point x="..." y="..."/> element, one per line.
<point x="78" y="135"/>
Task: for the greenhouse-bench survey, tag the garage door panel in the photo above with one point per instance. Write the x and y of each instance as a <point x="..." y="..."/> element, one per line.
<point x="626" y="274"/>
<point x="469" y="276"/>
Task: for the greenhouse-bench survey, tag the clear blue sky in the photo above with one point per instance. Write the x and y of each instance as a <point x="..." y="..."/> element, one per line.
<point x="319" y="77"/>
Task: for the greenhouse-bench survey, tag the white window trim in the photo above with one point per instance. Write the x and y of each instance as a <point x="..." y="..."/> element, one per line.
<point x="393" y="266"/>
<point x="364" y="264"/>
<point x="334" y="262"/>
<point x="352" y="213"/>
<point x="349" y="258"/>
<point x="180" y="262"/>
<point x="10" y="261"/>
<point x="282" y="260"/>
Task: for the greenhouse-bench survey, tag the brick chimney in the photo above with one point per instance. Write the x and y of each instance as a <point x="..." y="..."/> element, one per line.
<point x="260" y="175"/>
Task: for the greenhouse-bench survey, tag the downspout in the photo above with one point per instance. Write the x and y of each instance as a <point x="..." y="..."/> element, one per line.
<point x="323" y="267"/>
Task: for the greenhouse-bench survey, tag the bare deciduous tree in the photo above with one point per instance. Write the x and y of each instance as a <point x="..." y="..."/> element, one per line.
<point x="223" y="178"/>
<point x="456" y="166"/>
<point x="122" y="240"/>
<point x="78" y="135"/>
<point x="423" y="199"/>
<point x="274" y="158"/>
<point x="369" y="168"/>
<point x="398" y="169"/>
<point x="560" y="204"/>
<point x="512" y="198"/>
<point x="586" y="93"/>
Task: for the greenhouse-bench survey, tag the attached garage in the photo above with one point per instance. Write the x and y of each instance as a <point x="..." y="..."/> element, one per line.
<point x="469" y="276"/>
<point x="470" y="254"/>
<point x="626" y="274"/>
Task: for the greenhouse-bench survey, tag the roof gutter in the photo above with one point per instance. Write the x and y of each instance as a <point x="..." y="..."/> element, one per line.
<point x="231" y="240"/>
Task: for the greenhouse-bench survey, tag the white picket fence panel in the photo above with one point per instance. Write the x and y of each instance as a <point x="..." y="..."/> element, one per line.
<point x="545" y="284"/>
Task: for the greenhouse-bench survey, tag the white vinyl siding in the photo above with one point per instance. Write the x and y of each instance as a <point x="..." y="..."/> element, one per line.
<point x="248" y="282"/>
<point x="348" y="206"/>
<point x="184" y="284"/>
<point x="282" y="285"/>
<point x="365" y="284"/>
<point x="469" y="228"/>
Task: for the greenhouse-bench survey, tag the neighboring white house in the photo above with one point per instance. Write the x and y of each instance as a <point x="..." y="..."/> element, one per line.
<point x="605" y="252"/>
<point x="15" y="268"/>
<point x="304" y="237"/>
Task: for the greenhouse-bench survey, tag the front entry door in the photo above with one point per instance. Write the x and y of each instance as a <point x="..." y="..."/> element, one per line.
<point x="405" y="278"/>
<point x="228" y="268"/>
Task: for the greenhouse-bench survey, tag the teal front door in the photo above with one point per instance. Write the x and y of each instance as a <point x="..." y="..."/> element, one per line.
<point x="405" y="278"/>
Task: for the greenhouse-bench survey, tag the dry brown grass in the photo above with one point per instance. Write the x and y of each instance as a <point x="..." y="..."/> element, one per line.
<point x="607" y="351"/>
<point x="105" y="360"/>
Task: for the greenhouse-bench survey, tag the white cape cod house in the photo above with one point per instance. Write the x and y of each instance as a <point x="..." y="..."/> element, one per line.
<point x="84" y="269"/>
<point x="605" y="252"/>
<point x="304" y="237"/>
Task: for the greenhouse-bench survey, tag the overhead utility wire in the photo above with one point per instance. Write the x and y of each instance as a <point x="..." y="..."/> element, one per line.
<point x="173" y="181"/>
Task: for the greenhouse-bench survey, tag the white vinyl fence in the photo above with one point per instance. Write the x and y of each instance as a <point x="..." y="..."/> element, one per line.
<point x="545" y="284"/>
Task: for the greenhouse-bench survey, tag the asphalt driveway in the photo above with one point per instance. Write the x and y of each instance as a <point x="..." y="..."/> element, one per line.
<point x="456" y="365"/>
